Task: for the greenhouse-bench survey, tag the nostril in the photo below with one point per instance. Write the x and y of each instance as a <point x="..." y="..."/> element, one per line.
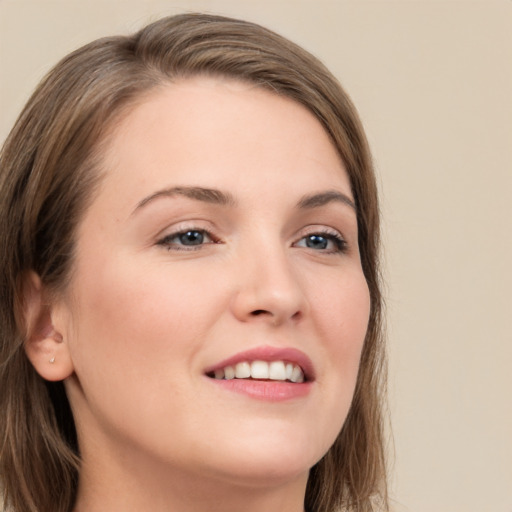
<point x="258" y="312"/>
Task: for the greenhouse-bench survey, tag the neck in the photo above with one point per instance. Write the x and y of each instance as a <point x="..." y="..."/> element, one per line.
<point x="130" y="488"/>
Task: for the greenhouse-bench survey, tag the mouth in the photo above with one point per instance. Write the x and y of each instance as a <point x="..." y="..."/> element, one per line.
<point x="284" y="371"/>
<point x="265" y="363"/>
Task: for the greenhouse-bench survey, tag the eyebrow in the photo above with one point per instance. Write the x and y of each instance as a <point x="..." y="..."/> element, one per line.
<point x="214" y="196"/>
<point x="207" y="195"/>
<point x="323" y="198"/>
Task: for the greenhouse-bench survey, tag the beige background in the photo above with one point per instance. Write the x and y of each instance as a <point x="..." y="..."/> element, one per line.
<point x="433" y="83"/>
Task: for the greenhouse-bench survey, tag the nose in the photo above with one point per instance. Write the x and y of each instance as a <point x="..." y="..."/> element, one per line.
<point x="268" y="289"/>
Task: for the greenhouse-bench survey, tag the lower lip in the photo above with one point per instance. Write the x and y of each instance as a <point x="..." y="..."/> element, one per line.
<point x="266" y="390"/>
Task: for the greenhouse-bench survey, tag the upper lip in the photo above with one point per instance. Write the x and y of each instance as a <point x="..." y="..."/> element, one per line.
<point x="269" y="353"/>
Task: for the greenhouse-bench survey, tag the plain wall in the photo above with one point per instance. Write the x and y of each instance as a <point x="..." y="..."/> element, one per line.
<point x="433" y="83"/>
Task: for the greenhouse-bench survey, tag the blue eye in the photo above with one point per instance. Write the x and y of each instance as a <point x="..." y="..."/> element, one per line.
<point x="324" y="242"/>
<point x="190" y="238"/>
<point x="317" y="242"/>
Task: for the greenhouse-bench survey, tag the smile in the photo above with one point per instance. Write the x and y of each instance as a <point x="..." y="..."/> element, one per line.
<point x="260" y="370"/>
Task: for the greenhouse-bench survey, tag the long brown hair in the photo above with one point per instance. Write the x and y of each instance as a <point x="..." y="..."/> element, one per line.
<point x="48" y="173"/>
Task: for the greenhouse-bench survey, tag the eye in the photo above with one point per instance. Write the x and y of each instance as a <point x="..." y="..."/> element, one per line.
<point x="188" y="239"/>
<point x="324" y="242"/>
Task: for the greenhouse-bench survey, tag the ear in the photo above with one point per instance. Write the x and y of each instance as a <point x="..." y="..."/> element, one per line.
<point x="45" y="344"/>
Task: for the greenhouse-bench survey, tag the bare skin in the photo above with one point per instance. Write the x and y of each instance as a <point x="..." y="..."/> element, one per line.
<point x="224" y="224"/>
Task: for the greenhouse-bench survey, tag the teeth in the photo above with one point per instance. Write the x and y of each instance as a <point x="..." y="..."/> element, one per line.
<point x="259" y="370"/>
<point x="277" y="370"/>
<point x="274" y="370"/>
<point x="297" y="375"/>
<point x="242" y="370"/>
<point x="289" y="371"/>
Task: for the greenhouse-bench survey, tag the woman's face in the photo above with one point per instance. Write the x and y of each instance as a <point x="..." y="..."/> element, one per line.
<point x="224" y="234"/>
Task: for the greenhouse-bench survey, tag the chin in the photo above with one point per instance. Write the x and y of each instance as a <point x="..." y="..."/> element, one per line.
<point x="259" y="473"/>
<point x="270" y="460"/>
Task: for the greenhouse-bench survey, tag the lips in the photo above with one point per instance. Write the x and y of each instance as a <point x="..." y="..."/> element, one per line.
<point x="265" y="363"/>
<point x="261" y="370"/>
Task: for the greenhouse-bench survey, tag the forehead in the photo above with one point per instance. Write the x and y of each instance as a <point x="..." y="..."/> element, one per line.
<point x="209" y="131"/>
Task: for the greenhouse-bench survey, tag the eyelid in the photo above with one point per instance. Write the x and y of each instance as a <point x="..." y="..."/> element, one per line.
<point x="331" y="234"/>
<point x="317" y="229"/>
<point x="182" y="228"/>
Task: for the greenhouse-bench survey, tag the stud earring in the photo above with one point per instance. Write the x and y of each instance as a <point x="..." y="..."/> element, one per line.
<point x="52" y="360"/>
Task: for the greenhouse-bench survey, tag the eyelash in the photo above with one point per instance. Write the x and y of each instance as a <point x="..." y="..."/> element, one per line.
<point x="166" y="241"/>
<point x="340" y="244"/>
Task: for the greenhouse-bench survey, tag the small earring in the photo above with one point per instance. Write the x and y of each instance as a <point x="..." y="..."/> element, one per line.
<point x="52" y="360"/>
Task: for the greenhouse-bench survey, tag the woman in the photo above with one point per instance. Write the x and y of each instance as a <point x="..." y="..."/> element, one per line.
<point x="190" y="295"/>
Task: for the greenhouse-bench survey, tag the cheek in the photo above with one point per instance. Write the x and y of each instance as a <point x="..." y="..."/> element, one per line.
<point x="342" y="308"/>
<point x="136" y="333"/>
<point x="342" y="319"/>
<point x="340" y="311"/>
<point x="136" y="314"/>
